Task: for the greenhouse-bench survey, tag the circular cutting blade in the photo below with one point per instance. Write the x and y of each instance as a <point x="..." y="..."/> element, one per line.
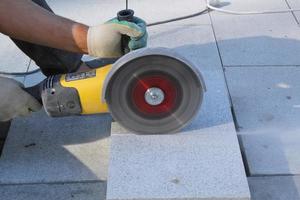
<point x="154" y="94"/>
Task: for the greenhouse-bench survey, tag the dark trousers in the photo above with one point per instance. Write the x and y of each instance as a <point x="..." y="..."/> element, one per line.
<point x="50" y="60"/>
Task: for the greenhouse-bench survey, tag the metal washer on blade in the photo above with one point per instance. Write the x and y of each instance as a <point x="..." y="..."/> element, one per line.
<point x="154" y="96"/>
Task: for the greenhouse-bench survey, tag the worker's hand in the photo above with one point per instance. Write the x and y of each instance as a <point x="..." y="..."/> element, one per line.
<point x="105" y="40"/>
<point x="14" y="101"/>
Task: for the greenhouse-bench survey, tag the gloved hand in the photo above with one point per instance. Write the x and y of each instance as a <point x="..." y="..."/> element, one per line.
<point x="14" y="101"/>
<point x="105" y="40"/>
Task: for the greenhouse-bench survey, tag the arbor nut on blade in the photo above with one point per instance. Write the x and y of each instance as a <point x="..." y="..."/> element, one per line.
<point x="154" y="96"/>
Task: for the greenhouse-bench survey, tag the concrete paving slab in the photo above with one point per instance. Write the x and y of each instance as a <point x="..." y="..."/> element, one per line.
<point x="40" y="149"/>
<point x="253" y="5"/>
<point x="33" y="79"/>
<point x="201" y="164"/>
<point x="197" y="43"/>
<point x="95" y="12"/>
<point x="257" y="39"/>
<point x="275" y="188"/>
<point x="17" y="78"/>
<point x="12" y="58"/>
<point x="67" y="191"/>
<point x="21" y="79"/>
<point x="160" y="10"/>
<point x="297" y="15"/>
<point x="294" y="4"/>
<point x="91" y="12"/>
<point x="266" y="104"/>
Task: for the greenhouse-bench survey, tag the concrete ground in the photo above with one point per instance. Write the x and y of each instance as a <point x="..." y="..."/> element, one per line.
<point x="258" y="54"/>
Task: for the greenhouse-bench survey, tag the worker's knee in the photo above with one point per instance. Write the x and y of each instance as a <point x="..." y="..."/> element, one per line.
<point x="64" y="64"/>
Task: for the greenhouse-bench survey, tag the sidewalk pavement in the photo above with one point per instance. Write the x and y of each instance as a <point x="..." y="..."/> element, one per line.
<point x="258" y="54"/>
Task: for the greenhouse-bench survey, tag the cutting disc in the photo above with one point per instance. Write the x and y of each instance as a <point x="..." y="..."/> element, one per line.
<point x="154" y="91"/>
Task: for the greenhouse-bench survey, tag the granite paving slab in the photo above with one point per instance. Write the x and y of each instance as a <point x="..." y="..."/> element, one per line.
<point x="295" y="4"/>
<point x="35" y="78"/>
<point x="95" y="12"/>
<point x="267" y="39"/>
<point x="266" y="103"/>
<point x="40" y="149"/>
<point x="200" y="164"/>
<point x="275" y="188"/>
<point x="12" y="58"/>
<point x="67" y="191"/>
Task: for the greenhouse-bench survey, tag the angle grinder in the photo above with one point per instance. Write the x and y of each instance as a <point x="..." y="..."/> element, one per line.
<point x="147" y="91"/>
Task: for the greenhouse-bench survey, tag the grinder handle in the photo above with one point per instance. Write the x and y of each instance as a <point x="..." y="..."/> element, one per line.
<point x="125" y="15"/>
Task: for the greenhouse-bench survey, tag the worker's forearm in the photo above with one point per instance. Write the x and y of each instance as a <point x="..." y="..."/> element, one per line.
<point x="24" y="20"/>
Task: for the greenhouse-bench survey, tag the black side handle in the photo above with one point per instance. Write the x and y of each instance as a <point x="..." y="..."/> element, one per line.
<point x="35" y="91"/>
<point x="125" y="15"/>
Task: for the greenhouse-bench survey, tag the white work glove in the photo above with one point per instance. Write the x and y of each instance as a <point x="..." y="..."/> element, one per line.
<point x="14" y="101"/>
<point x="105" y="40"/>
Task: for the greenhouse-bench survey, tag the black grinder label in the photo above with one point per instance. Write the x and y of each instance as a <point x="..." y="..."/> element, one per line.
<point x="80" y="75"/>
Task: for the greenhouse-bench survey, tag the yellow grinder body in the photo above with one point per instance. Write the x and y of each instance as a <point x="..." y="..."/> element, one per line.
<point x="76" y="93"/>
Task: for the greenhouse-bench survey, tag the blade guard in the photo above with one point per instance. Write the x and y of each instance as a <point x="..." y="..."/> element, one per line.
<point x="147" y="52"/>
